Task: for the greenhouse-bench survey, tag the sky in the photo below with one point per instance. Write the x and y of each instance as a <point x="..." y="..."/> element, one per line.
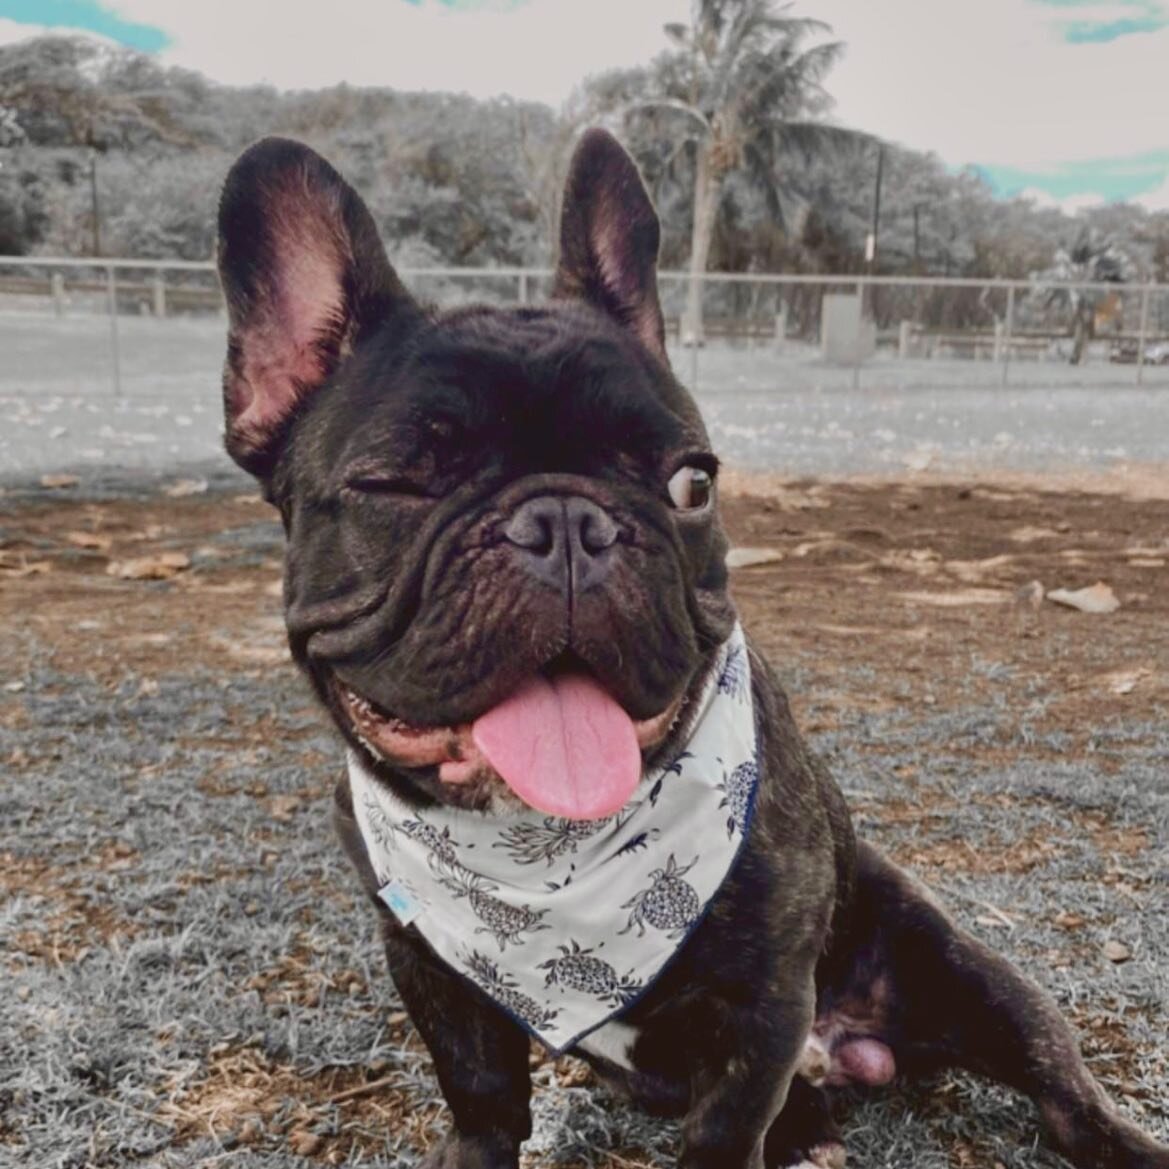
<point x="1064" y="101"/>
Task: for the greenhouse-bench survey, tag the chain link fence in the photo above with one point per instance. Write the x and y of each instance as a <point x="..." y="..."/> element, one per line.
<point x="146" y="328"/>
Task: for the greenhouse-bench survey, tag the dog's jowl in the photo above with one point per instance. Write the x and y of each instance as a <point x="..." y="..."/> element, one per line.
<point x="575" y="791"/>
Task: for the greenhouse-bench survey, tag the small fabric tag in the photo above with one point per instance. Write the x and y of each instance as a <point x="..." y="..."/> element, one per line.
<point x="402" y="901"/>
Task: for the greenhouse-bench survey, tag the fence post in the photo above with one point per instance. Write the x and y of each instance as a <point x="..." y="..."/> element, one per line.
<point x="112" y="305"/>
<point x="159" y="295"/>
<point x="57" y="285"/>
<point x="523" y="288"/>
<point x="682" y="326"/>
<point x="861" y="289"/>
<point x="1144" y="332"/>
<point x="904" y="340"/>
<point x="1008" y="329"/>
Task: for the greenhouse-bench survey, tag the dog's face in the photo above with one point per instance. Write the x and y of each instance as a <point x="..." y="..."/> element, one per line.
<point x="503" y="556"/>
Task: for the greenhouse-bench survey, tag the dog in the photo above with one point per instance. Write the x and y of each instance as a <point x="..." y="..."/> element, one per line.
<point x="576" y="793"/>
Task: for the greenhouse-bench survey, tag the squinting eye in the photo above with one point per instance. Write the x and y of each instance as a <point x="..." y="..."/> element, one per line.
<point x="690" y="488"/>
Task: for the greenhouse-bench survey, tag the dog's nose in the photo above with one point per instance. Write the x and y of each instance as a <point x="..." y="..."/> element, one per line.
<point x="564" y="541"/>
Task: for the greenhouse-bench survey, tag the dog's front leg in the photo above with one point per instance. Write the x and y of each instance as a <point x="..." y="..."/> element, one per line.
<point x="742" y="1071"/>
<point x="480" y="1057"/>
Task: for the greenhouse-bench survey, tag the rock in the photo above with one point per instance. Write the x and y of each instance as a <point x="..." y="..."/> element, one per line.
<point x="1116" y="951"/>
<point x="160" y="567"/>
<point x="185" y="487"/>
<point x="1126" y="681"/>
<point x="91" y="540"/>
<point x="958" y="598"/>
<point x="1097" y="598"/>
<point x="749" y="557"/>
<point x="57" y="481"/>
<point x="1029" y="533"/>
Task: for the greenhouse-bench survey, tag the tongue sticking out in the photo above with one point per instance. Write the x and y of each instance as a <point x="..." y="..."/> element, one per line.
<point x="563" y="746"/>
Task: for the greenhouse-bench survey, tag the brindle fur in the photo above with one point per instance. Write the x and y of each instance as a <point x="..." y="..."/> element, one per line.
<point x="810" y="926"/>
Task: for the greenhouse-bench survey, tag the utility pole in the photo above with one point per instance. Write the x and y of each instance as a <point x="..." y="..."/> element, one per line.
<point x="94" y="209"/>
<point x="872" y="250"/>
<point x="871" y="242"/>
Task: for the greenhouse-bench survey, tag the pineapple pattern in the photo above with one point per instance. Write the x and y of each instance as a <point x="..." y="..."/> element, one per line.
<point x="505" y="990"/>
<point x="577" y="917"/>
<point x="581" y="970"/>
<point x="735" y="676"/>
<point x="438" y="842"/>
<point x="504" y="921"/>
<point x="669" y="904"/>
<point x="738" y="790"/>
<point x="530" y="843"/>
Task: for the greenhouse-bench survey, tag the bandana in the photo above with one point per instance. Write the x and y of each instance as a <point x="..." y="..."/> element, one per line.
<point x="565" y="923"/>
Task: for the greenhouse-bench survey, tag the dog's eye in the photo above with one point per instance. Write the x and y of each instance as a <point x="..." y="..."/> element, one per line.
<point x="690" y="488"/>
<point x="377" y="484"/>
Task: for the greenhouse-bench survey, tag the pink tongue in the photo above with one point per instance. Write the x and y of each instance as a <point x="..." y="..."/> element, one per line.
<point x="563" y="746"/>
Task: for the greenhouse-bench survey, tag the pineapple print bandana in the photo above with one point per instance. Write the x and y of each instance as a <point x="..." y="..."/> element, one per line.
<point x="564" y="923"/>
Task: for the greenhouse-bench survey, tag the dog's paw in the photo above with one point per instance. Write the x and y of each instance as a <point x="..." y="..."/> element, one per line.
<point x="455" y="1152"/>
<point x="831" y="1155"/>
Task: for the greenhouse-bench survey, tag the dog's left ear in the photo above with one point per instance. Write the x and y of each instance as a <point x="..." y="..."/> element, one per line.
<point x="609" y="237"/>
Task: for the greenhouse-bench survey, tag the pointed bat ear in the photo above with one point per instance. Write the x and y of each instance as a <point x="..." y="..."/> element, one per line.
<point x="609" y="238"/>
<point x="305" y="276"/>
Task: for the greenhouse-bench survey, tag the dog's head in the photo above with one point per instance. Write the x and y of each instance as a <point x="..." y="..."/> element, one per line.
<point x="504" y="557"/>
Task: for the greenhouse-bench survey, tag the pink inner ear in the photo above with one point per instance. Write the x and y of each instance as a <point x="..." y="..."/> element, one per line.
<point x="613" y="251"/>
<point x="284" y="347"/>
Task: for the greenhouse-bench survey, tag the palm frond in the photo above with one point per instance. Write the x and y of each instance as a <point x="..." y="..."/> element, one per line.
<point x="669" y="104"/>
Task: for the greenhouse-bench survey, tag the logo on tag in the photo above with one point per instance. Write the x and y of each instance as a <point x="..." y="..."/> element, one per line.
<point x="403" y="902"/>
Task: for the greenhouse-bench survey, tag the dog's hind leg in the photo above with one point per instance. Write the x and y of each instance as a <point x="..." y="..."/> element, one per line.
<point x="934" y="996"/>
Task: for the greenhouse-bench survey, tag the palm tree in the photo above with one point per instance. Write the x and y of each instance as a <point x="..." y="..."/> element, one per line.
<point x="740" y="84"/>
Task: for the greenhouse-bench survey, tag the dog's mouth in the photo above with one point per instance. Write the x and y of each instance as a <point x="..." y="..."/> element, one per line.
<point x="560" y="742"/>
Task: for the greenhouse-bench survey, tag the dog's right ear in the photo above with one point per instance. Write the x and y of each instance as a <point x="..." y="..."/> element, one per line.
<point x="304" y="274"/>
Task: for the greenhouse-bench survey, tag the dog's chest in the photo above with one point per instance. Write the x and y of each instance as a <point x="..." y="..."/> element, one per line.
<point x="613" y="1042"/>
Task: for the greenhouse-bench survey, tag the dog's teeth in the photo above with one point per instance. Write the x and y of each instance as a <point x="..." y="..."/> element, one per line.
<point x="373" y="749"/>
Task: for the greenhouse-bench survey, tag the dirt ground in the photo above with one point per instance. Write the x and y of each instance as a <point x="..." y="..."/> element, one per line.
<point x="196" y="981"/>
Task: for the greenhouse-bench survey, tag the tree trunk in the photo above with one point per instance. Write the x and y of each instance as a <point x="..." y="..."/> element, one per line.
<point x="1084" y="318"/>
<point x="707" y="192"/>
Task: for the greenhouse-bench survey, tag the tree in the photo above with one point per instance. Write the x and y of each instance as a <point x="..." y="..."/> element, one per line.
<point x="739" y="84"/>
<point x="1091" y="259"/>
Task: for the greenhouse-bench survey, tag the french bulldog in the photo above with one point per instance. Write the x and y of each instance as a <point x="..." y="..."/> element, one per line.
<point x="505" y="580"/>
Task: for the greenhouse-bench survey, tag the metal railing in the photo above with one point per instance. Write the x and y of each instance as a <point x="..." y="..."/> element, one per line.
<point x="916" y="318"/>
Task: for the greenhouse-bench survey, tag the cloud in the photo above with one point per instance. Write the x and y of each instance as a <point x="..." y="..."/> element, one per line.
<point x="1068" y="204"/>
<point x="1157" y="199"/>
<point x="997" y="82"/>
<point x="12" y="31"/>
<point x="1085" y="20"/>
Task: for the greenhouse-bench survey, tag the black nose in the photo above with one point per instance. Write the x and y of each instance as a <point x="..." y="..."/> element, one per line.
<point x="565" y="541"/>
